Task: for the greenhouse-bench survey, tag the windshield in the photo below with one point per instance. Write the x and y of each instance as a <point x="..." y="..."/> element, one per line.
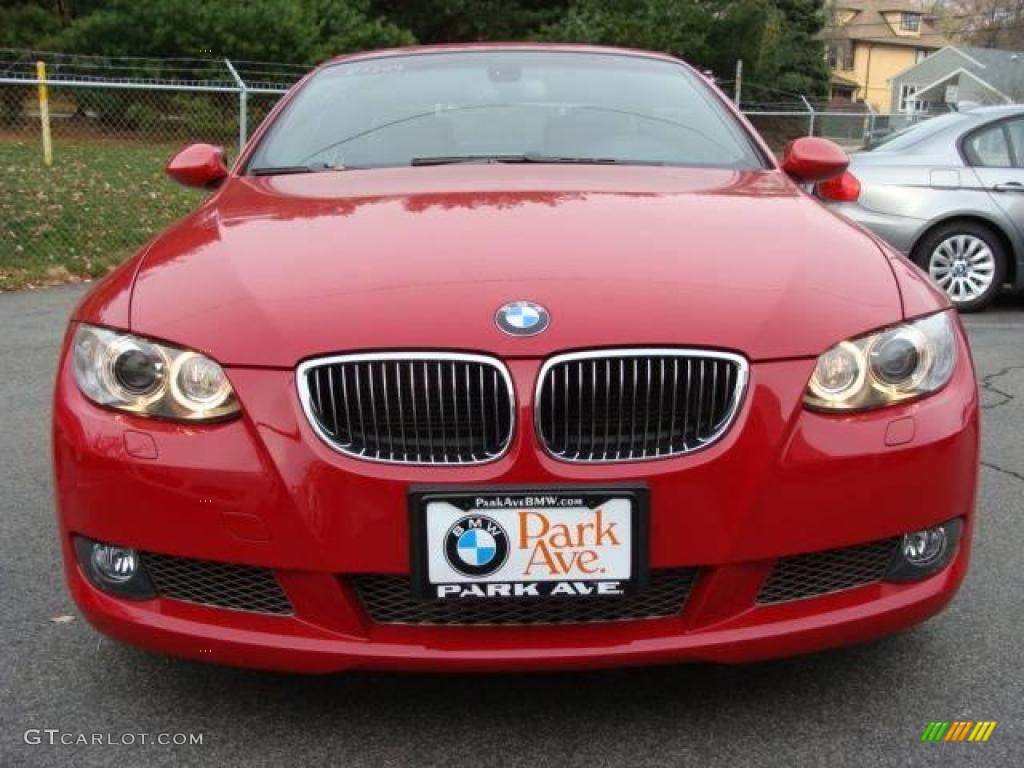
<point x="513" y="106"/>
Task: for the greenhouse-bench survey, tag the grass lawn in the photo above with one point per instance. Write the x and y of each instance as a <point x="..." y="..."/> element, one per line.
<point x="85" y="214"/>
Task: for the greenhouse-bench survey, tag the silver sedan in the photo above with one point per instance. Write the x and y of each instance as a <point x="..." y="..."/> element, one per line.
<point x="949" y="192"/>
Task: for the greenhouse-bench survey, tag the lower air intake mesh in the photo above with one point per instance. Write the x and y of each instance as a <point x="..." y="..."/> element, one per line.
<point x="223" y="585"/>
<point x="819" y="573"/>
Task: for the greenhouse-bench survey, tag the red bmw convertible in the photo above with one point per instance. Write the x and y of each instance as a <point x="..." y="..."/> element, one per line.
<point x="504" y="357"/>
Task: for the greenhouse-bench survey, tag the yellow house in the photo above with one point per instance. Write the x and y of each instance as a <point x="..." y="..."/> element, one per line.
<point x="868" y="42"/>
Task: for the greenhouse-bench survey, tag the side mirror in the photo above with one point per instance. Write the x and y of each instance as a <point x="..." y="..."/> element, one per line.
<point x="810" y="159"/>
<point x="198" y="165"/>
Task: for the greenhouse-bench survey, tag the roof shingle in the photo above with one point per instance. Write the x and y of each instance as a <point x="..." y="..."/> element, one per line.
<point x="869" y="25"/>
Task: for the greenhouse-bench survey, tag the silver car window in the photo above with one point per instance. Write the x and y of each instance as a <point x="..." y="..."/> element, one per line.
<point x="1015" y="130"/>
<point x="989" y="148"/>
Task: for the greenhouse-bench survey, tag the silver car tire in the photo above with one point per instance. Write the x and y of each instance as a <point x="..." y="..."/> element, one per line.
<point x="967" y="261"/>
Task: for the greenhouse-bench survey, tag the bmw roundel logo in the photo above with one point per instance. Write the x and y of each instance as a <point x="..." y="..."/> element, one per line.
<point x="476" y="545"/>
<point x="523" y="318"/>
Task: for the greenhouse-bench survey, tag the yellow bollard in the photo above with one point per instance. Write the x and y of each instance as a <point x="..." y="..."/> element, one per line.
<point x="44" y="112"/>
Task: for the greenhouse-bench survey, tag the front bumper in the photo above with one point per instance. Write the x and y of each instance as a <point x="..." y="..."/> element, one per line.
<point x="264" y="491"/>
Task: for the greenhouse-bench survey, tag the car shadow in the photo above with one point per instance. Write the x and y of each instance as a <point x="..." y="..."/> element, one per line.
<point x="1009" y="301"/>
<point x="796" y="684"/>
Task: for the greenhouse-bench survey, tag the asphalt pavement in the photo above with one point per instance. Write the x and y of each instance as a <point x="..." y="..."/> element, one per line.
<point x="861" y="706"/>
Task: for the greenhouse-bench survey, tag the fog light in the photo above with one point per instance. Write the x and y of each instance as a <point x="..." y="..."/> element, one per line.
<point x="925" y="552"/>
<point x="113" y="569"/>
<point x="922" y="548"/>
<point x="115" y="563"/>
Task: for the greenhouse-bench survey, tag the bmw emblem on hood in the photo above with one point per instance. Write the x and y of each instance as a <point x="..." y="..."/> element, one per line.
<point x="523" y="318"/>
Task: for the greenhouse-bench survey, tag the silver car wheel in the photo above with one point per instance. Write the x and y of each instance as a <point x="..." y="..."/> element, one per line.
<point x="963" y="266"/>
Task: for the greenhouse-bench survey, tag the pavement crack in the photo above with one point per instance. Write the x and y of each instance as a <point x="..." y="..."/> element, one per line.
<point x="986" y="383"/>
<point x="1004" y="470"/>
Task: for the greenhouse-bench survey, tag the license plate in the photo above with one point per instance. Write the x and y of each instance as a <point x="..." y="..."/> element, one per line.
<point x="521" y="544"/>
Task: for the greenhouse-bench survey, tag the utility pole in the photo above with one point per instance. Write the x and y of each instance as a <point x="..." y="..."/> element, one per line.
<point x="738" y="91"/>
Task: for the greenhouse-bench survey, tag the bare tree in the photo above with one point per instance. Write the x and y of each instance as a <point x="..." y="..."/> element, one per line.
<point x="985" y="23"/>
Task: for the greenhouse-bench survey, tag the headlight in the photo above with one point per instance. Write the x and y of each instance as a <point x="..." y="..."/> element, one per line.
<point x="891" y="366"/>
<point x="131" y="373"/>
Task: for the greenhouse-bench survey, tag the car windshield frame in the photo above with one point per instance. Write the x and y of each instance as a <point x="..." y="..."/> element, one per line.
<point x="749" y="154"/>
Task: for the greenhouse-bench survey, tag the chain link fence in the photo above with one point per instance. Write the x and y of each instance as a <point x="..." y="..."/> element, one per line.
<point x="112" y="126"/>
<point x="781" y="116"/>
<point x="113" y="123"/>
<point x="853" y="127"/>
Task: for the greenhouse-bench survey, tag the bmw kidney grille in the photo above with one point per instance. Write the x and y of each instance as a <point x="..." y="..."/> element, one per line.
<point x="411" y="408"/>
<point x="628" y="405"/>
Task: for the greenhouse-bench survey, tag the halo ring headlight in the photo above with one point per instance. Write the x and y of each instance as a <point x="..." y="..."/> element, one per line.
<point x="149" y="378"/>
<point x="896" y="364"/>
<point x="839" y="372"/>
<point x="134" y="369"/>
<point x="899" y="360"/>
<point x="199" y="382"/>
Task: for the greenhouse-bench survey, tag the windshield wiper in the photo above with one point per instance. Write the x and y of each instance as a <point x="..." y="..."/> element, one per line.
<point x="526" y="157"/>
<point x="281" y="170"/>
<point x="455" y="159"/>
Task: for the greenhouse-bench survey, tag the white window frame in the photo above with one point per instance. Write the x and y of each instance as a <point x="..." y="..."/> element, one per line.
<point x="910" y="21"/>
<point x="907" y="103"/>
<point x="839" y="55"/>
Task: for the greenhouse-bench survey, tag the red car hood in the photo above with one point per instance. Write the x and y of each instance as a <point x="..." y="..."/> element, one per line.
<point x="272" y="270"/>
